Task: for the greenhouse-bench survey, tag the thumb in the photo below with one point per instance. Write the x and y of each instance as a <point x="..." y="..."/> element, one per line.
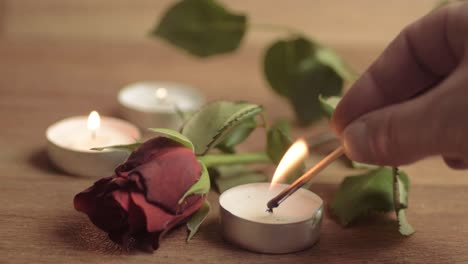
<point x="394" y="135"/>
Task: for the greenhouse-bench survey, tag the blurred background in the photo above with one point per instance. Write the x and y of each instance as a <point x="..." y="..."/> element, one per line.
<point x="98" y="46"/>
<point x="335" y="22"/>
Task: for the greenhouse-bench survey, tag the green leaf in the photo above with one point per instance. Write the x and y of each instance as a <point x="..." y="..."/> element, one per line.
<point x="329" y="104"/>
<point x="202" y="27"/>
<point x="215" y="121"/>
<point x="182" y="115"/>
<point x="228" y="171"/>
<point x="226" y="177"/>
<point x="174" y="135"/>
<point x="360" y="165"/>
<point x="129" y="147"/>
<point x="332" y="59"/>
<point x="237" y="135"/>
<point x="197" y="219"/>
<point x="400" y="200"/>
<point x="405" y="228"/>
<point x="359" y="195"/>
<point x="294" y="71"/>
<point x="214" y="160"/>
<point x="400" y="193"/>
<point x="202" y="186"/>
<point x="278" y="142"/>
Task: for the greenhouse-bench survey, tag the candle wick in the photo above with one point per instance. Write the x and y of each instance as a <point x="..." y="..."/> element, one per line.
<point x="93" y="135"/>
<point x="161" y="95"/>
<point x="269" y="210"/>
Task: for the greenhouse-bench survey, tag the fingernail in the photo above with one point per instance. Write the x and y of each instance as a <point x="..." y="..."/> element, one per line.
<point x="356" y="142"/>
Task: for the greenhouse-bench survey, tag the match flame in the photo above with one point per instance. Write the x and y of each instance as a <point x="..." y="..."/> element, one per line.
<point x="94" y="121"/>
<point x="291" y="159"/>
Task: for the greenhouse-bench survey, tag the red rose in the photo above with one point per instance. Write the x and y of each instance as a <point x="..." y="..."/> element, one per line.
<point x="140" y="203"/>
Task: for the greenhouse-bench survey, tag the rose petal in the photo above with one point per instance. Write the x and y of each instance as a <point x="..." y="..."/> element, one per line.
<point x="188" y="202"/>
<point x="139" y="205"/>
<point x="180" y="219"/>
<point x="158" y="221"/>
<point x="101" y="206"/>
<point x="149" y="150"/>
<point x="136" y="179"/>
<point x="169" y="177"/>
<point x="84" y="201"/>
<point x="122" y="198"/>
<point x="156" y="218"/>
<point x="121" y="236"/>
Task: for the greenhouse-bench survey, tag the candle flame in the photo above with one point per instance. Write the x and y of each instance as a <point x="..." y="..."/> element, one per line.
<point x="291" y="159"/>
<point x="94" y="121"/>
<point x="161" y="94"/>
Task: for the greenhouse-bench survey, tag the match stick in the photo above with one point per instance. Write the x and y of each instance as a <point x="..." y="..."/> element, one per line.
<point x="277" y="200"/>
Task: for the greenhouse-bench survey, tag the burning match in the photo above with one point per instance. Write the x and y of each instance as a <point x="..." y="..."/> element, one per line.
<point x="295" y="154"/>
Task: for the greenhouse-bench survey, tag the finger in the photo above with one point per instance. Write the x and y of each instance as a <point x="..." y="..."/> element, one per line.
<point x="386" y="136"/>
<point x="430" y="124"/>
<point x="417" y="59"/>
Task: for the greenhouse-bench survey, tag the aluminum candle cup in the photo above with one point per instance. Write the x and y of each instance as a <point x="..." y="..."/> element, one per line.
<point x="293" y="226"/>
<point x="69" y="142"/>
<point x="155" y="104"/>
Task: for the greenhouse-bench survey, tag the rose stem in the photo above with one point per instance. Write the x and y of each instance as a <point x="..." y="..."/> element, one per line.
<point x="211" y="160"/>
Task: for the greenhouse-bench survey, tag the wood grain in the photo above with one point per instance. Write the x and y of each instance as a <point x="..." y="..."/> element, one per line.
<point x="46" y="79"/>
<point x="330" y="21"/>
<point x="3" y="11"/>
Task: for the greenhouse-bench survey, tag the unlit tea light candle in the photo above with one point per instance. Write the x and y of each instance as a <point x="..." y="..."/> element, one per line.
<point x="155" y="104"/>
<point x="293" y="226"/>
<point x="70" y="142"/>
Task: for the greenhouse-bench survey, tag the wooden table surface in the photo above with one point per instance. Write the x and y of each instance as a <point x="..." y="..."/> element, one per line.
<point x="45" y="80"/>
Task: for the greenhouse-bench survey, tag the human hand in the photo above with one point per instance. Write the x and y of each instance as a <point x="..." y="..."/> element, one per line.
<point x="413" y="100"/>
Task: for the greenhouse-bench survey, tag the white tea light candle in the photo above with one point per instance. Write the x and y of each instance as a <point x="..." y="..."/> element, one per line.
<point x="293" y="226"/>
<point x="70" y="141"/>
<point x="155" y="104"/>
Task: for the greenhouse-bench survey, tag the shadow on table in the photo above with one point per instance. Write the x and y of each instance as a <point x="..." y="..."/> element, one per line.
<point x="79" y="233"/>
<point x="39" y="159"/>
<point x="375" y="237"/>
<point x="211" y="233"/>
<point x="371" y="239"/>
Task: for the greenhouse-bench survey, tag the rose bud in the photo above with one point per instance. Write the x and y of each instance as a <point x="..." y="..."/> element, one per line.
<point x="141" y="202"/>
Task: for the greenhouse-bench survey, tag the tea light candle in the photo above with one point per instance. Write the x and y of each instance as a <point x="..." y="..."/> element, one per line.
<point x="70" y="141"/>
<point x="293" y="226"/>
<point x="155" y="104"/>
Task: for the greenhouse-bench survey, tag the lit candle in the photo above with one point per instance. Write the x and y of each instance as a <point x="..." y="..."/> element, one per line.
<point x="293" y="226"/>
<point x="83" y="134"/>
<point x="70" y="142"/>
<point x="155" y="104"/>
<point x="94" y="122"/>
